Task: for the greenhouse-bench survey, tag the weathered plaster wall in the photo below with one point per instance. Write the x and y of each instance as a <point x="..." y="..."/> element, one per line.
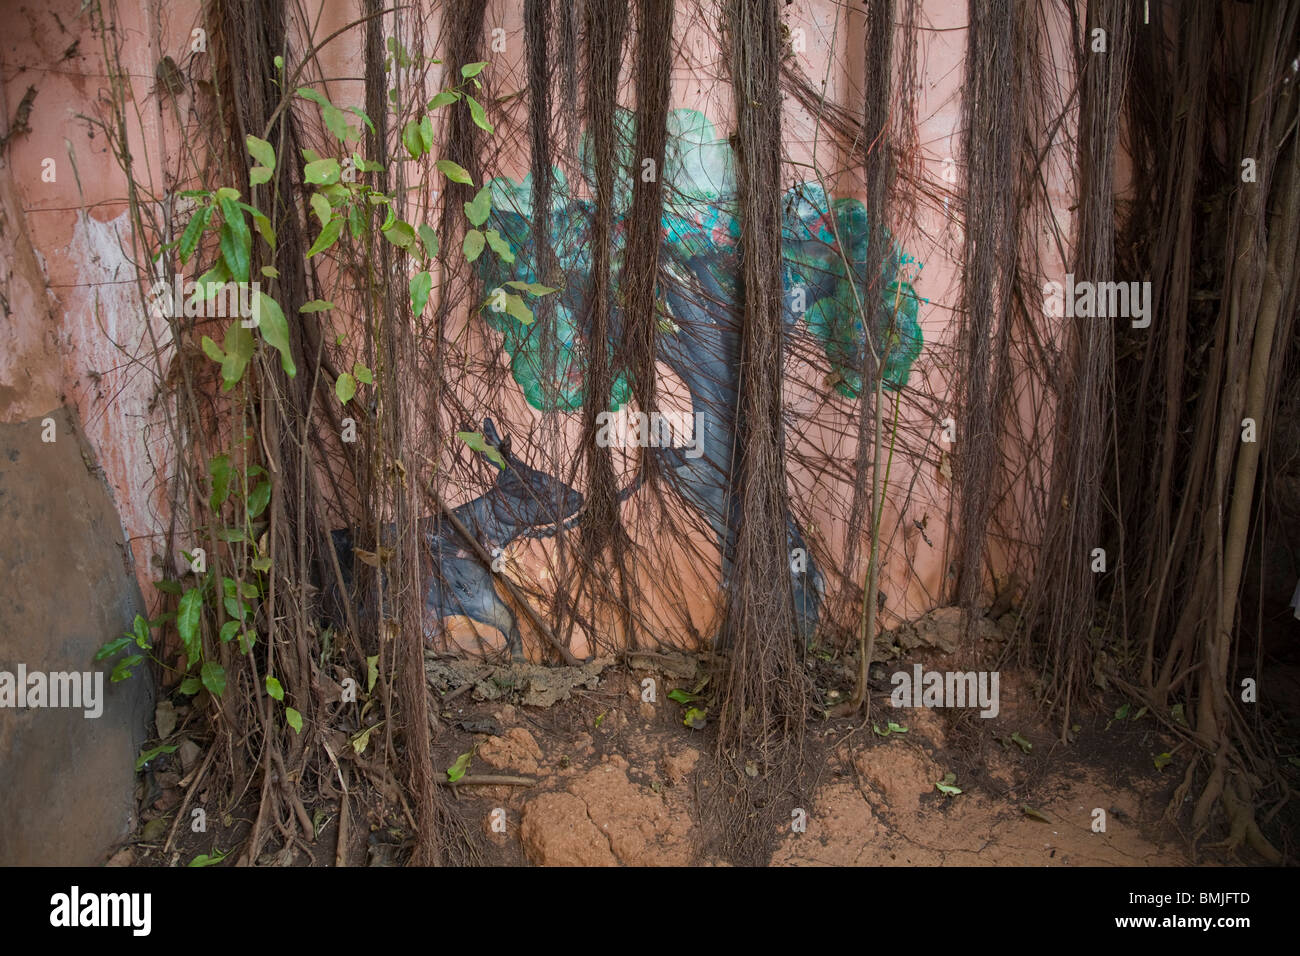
<point x="79" y="512"/>
<point x="85" y="332"/>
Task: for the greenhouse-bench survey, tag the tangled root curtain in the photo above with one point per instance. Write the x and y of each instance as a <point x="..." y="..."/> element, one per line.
<point x="722" y="327"/>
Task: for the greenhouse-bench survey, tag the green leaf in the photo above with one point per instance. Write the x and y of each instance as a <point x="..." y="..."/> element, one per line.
<point x="228" y="631"/>
<point x="259" y="498"/>
<point x="412" y="139"/>
<point x="361" y="739"/>
<point x="1021" y="742"/>
<point x="430" y="240"/>
<point x="239" y="347"/>
<point x="372" y="672"/>
<point x="500" y="246"/>
<point x="477" y="114"/>
<point x="472" y="69"/>
<point x="275" y="330"/>
<point x="361" y="373"/>
<point x="262" y="564"/>
<point x="515" y="306"/>
<point x="322" y="172"/>
<point x="147" y="755"/>
<point x="356" y="220"/>
<point x="445" y="98"/>
<point x="473" y="245"/>
<point x="115" y="646"/>
<point x="476" y="442"/>
<point x="140" y="632"/>
<point x="219" y="470"/>
<point x="228" y="193"/>
<point x="208" y="284"/>
<point x="336" y="121"/>
<point x="204" y="860"/>
<point x="478" y="208"/>
<point x="260" y="150"/>
<point x="400" y="56"/>
<point x="273" y="688"/>
<point x="1122" y="712"/>
<point x="235" y="608"/>
<point x="251" y="210"/>
<point x="167" y="586"/>
<point x="190" y="686"/>
<point x="421" y="286"/>
<point x="454" y="172"/>
<point x="459" y="768"/>
<point x="294" y="719"/>
<point x="426" y="133"/>
<point x="321" y="207"/>
<point x="307" y="93"/>
<point x="213" y="676"/>
<point x="1035" y="814"/>
<point x="536" y="288"/>
<point x="345" y="386"/>
<point x="946" y="785"/>
<point x="193" y="232"/>
<point x="271" y="272"/>
<point x="1163" y="760"/>
<point x="365" y="119"/>
<point x="682" y="696"/>
<point x="236" y="240"/>
<point x="400" y="234"/>
<point x="265" y="230"/>
<point x="315" y="305"/>
<point x="258" y="175"/>
<point x="212" y="350"/>
<point x="122" y="670"/>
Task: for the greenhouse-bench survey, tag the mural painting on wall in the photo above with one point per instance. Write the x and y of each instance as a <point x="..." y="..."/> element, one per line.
<point x="824" y="251"/>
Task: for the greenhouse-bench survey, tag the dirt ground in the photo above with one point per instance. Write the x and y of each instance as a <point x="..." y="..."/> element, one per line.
<point x="596" y="766"/>
<point x="619" y="781"/>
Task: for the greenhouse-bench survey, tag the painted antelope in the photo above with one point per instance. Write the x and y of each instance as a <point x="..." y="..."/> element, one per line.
<point x="522" y="502"/>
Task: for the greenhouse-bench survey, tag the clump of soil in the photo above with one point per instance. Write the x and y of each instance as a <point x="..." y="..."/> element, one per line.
<point x="533" y="684"/>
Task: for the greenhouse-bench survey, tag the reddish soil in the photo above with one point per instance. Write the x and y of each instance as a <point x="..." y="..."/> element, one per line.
<point x="608" y="778"/>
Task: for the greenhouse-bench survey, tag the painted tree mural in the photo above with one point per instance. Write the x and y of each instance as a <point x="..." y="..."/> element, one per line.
<point x="825" y="252"/>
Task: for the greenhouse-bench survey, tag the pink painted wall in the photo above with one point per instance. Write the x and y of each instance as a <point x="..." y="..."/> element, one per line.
<point x="78" y="332"/>
<point x="83" y="337"/>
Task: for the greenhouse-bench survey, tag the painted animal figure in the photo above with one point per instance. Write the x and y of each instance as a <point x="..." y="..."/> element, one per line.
<point x="522" y="502"/>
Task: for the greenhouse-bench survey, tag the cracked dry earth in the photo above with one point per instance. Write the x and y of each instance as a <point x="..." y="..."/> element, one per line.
<point x="620" y="781"/>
